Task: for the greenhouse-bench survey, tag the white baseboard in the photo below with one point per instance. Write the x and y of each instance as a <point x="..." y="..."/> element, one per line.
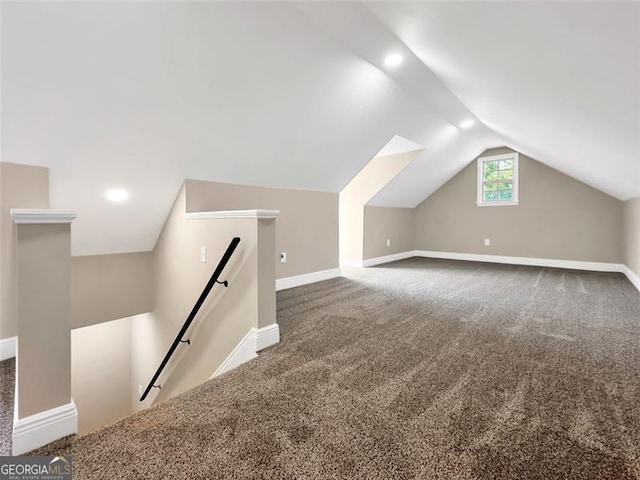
<point x="42" y="428"/>
<point x="242" y="353"/>
<point x="352" y="263"/>
<point x="534" y="262"/>
<point x="255" y="340"/>
<point x="631" y="275"/>
<point x="388" y="258"/>
<point x="298" y="280"/>
<point x="529" y="261"/>
<point x="267" y="336"/>
<point x="8" y="348"/>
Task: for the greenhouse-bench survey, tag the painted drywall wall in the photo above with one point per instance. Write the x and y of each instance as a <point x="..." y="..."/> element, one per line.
<point x="382" y="223"/>
<point x="307" y="227"/>
<point x="225" y="318"/>
<point x="354" y="196"/>
<point x="558" y="218"/>
<point x="101" y="373"/>
<point x="21" y="186"/>
<point x="44" y="292"/>
<point x="266" y="272"/>
<point x="632" y="234"/>
<point x="109" y="287"/>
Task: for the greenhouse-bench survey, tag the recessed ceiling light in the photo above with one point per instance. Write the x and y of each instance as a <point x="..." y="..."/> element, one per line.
<point x="393" y="60"/>
<point x="467" y="124"/>
<point x="117" y="195"/>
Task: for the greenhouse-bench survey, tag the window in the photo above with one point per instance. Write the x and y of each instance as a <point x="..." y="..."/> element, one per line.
<point x="498" y="180"/>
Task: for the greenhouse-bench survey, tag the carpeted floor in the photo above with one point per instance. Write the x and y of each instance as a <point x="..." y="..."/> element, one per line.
<point x="7" y="387"/>
<point x="419" y="369"/>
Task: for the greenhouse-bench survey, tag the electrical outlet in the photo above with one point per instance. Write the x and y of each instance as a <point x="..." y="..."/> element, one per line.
<point x="140" y="390"/>
<point x="283" y="257"/>
<point x="388" y="242"/>
<point x="487" y="242"/>
<point x="203" y="254"/>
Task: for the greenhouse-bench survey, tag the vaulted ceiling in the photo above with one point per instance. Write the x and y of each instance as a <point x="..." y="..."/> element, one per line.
<point x="142" y="95"/>
<point x="559" y="81"/>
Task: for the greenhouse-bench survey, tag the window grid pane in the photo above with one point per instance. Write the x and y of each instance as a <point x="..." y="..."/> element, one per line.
<point x="497" y="186"/>
<point x="505" y="195"/>
<point x="490" y="196"/>
<point x="498" y="180"/>
<point x="494" y="189"/>
<point x="505" y="174"/>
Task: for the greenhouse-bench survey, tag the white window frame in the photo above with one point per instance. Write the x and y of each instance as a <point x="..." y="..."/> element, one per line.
<point x="498" y="203"/>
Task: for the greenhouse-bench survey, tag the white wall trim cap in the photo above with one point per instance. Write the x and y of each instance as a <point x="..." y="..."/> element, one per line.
<point x="31" y="216"/>
<point x="233" y="214"/>
<point x="305" y="279"/>
<point x="8" y="348"/>
<point x="45" y="427"/>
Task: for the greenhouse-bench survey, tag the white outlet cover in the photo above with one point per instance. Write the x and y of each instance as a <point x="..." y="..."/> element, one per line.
<point x="487" y="242"/>
<point x="283" y="257"/>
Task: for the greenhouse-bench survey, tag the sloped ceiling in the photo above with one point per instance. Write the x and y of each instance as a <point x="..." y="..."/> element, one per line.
<point x="142" y="95"/>
<point x="558" y="81"/>
<point x="397" y="145"/>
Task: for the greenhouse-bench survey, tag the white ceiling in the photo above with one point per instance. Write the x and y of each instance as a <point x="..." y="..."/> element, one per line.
<point x="557" y="81"/>
<point x="398" y="145"/>
<point x="142" y="95"/>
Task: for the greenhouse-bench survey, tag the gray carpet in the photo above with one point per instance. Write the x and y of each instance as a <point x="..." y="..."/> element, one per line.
<point x="7" y="393"/>
<point x="419" y="369"/>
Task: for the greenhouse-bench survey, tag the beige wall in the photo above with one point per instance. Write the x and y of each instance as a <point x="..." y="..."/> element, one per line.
<point x="44" y="345"/>
<point x="307" y="227"/>
<point x="354" y="196"/>
<point x="108" y="287"/>
<point x="21" y="186"/>
<point x="266" y="272"/>
<point x="101" y="373"/>
<point x="558" y="218"/>
<point x="632" y="234"/>
<point x="382" y="223"/>
<point x="224" y="320"/>
<point x="104" y="287"/>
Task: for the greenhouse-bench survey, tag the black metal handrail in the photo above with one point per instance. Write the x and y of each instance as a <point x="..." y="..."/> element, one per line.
<point x="194" y="311"/>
